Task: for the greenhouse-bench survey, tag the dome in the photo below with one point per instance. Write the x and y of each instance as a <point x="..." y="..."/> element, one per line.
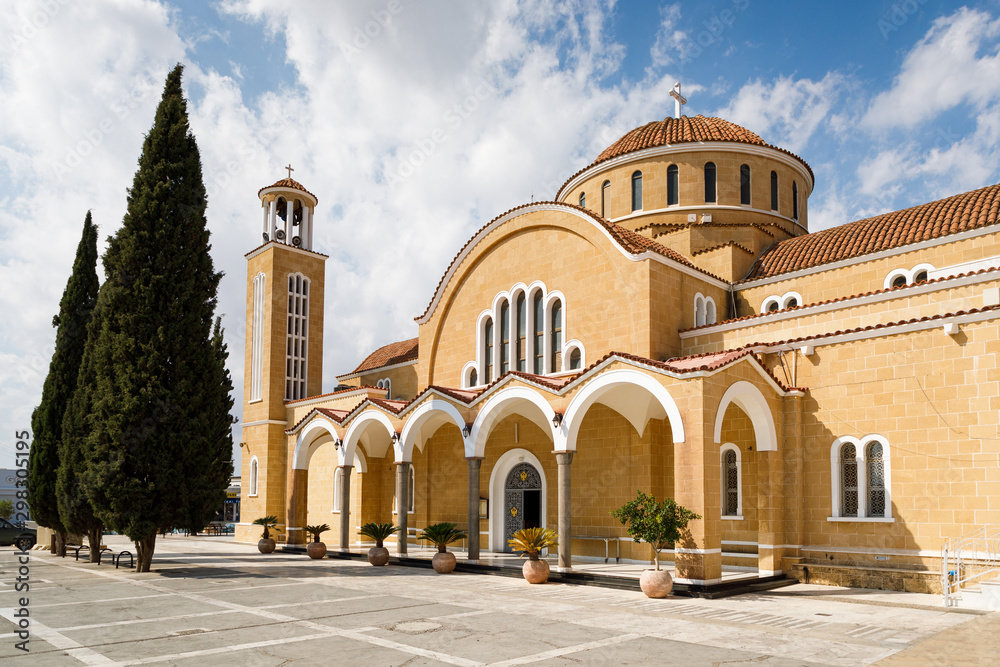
<point x="685" y="130"/>
<point x="289" y="183"/>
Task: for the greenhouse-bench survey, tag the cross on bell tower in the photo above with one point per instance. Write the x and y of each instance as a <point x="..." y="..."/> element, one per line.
<point x="290" y="170"/>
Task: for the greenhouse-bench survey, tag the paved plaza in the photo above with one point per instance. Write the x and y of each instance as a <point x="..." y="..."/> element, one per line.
<point x="213" y="602"/>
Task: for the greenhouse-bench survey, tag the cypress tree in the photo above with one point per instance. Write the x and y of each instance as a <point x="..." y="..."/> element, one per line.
<point x="75" y="310"/>
<point x="159" y="452"/>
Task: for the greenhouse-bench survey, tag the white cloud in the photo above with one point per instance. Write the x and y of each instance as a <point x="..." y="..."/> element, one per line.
<point x="670" y="42"/>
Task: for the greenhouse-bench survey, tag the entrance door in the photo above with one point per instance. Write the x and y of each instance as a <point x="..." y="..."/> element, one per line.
<point x="522" y="501"/>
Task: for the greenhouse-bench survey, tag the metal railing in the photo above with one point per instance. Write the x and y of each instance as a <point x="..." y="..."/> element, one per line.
<point x="968" y="559"/>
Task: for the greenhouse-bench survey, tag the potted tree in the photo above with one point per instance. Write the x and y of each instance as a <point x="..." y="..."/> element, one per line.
<point x="266" y="544"/>
<point x="442" y="534"/>
<point x="378" y="554"/>
<point x="530" y="541"/>
<point x="316" y="549"/>
<point x="659" y="525"/>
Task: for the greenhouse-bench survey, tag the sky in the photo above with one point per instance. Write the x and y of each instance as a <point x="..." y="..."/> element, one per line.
<point x="415" y="123"/>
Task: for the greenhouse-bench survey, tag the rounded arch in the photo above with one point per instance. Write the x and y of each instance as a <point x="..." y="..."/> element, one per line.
<point x="612" y="389"/>
<point x="516" y="400"/>
<point x="568" y="349"/>
<point x="765" y="307"/>
<point x="753" y="403"/>
<point x="422" y="424"/>
<point x="360" y="426"/>
<point x="498" y="477"/>
<point x="314" y="430"/>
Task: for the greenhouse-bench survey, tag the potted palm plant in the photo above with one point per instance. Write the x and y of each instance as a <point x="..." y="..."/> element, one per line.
<point x="378" y="554"/>
<point x="530" y="541"/>
<point x="266" y="544"/>
<point x="659" y="525"/>
<point x="316" y="549"/>
<point x="442" y="534"/>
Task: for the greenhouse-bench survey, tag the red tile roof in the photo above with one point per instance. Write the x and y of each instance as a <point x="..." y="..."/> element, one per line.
<point x="288" y="183"/>
<point x="332" y="393"/>
<point x="388" y="355"/>
<point x="959" y="213"/>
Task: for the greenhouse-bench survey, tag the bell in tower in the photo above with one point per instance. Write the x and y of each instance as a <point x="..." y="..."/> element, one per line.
<point x="287" y="209"/>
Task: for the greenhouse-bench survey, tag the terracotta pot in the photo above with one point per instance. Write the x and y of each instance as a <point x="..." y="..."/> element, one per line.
<point x="266" y="546"/>
<point x="656" y="583"/>
<point x="443" y="562"/>
<point x="316" y="549"/>
<point x="535" y="571"/>
<point x="378" y="555"/>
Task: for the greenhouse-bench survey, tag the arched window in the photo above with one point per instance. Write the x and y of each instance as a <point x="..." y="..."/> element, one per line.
<point x="673" y="184"/>
<point x="338" y="482"/>
<point x="876" y="479"/>
<point x="773" y="307"/>
<point x="555" y="337"/>
<point x="792" y="302"/>
<point x="745" y="184"/>
<point x="253" y="476"/>
<point x="920" y="276"/>
<point x="774" y="191"/>
<point x="539" y="333"/>
<point x="575" y="359"/>
<point x="637" y="191"/>
<point x="473" y="378"/>
<point x="795" y="200"/>
<point x="849" y="480"/>
<point x="522" y="327"/>
<point x="710" y="183"/>
<point x="504" y="338"/>
<point x="709" y="310"/>
<point x="605" y="198"/>
<point x="699" y="310"/>
<point x="297" y="338"/>
<point x="488" y="351"/>
<point x="257" y="338"/>
<point x="731" y="506"/>
<point x="583" y="200"/>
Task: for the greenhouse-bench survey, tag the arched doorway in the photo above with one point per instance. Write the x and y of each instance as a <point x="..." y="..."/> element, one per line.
<point x="522" y="500"/>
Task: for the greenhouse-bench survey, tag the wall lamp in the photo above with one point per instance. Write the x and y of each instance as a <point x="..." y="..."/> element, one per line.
<point x="556" y="419"/>
<point x="467" y="430"/>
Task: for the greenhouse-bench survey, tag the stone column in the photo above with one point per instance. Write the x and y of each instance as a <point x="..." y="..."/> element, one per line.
<point x="345" y="508"/>
<point x="564" y="459"/>
<point x="475" y="464"/>
<point x="263" y="224"/>
<point x="272" y="219"/>
<point x="402" y="509"/>
<point x="295" y="512"/>
<point x="289" y="210"/>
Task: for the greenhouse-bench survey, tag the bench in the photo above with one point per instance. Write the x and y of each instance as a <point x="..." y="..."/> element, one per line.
<point x="607" y="542"/>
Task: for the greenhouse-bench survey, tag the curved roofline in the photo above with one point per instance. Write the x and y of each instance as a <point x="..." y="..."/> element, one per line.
<point x="287" y="184"/>
<point x="780" y="154"/>
<point x="641" y="247"/>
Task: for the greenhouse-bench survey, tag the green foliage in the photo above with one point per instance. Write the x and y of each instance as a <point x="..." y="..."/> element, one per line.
<point x="268" y="522"/>
<point x="75" y="310"/>
<point x="158" y="436"/>
<point x="316" y="531"/>
<point x="6" y="509"/>
<point x="530" y="541"/>
<point x="378" y="531"/>
<point x="442" y="534"/>
<point x="659" y="524"/>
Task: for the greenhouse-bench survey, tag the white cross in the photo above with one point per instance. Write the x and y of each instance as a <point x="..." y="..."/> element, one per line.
<point x="290" y="170"/>
<point x="679" y="99"/>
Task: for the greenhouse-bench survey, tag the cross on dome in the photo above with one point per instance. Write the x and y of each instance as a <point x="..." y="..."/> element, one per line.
<point x="679" y="99"/>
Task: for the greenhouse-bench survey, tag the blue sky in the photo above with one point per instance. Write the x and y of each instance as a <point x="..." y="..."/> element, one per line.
<point x="892" y="104"/>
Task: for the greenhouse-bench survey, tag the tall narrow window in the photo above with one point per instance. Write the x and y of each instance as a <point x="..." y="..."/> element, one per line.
<point x="849" y="480"/>
<point x="257" y="338"/>
<point x="504" y="338"/>
<point x="795" y="200"/>
<point x="774" y="191"/>
<point x="731" y="473"/>
<point x="876" y="480"/>
<point x="673" y="183"/>
<point x="297" y="339"/>
<point x="637" y="191"/>
<point x="605" y="198"/>
<point x="555" y="337"/>
<point x="473" y="378"/>
<point x="522" y="328"/>
<point x="575" y="359"/>
<point x="583" y="200"/>
<point x="709" y="182"/>
<point x="745" y="184"/>
<point x="539" y="312"/>
<point x="253" y="476"/>
<point x="488" y="351"/>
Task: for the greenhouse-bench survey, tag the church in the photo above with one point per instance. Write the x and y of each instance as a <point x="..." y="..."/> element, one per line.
<point x="828" y="402"/>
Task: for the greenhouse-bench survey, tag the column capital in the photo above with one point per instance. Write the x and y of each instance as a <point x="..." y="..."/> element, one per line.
<point x="346" y="468"/>
<point x="564" y="458"/>
<point x="403" y="463"/>
<point x="474" y="461"/>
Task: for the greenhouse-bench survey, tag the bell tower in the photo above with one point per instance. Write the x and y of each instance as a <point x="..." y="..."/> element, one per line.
<point x="284" y="344"/>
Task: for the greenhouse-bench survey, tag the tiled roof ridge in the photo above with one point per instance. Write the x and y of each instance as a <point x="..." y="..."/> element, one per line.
<point x="247" y="254"/>
<point x="397" y="352"/>
<point x="626" y="238"/>
<point x="669" y="228"/>
<point x="839" y="299"/>
<point x="323" y="411"/>
<point x="698" y="129"/>
<point x="723" y="245"/>
<point x="288" y="183"/>
<point x="965" y="211"/>
<point x="333" y="393"/>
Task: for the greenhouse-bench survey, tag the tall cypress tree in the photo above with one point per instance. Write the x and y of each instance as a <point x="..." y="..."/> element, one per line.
<point x="75" y="310"/>
<point x="158" y="457"/>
